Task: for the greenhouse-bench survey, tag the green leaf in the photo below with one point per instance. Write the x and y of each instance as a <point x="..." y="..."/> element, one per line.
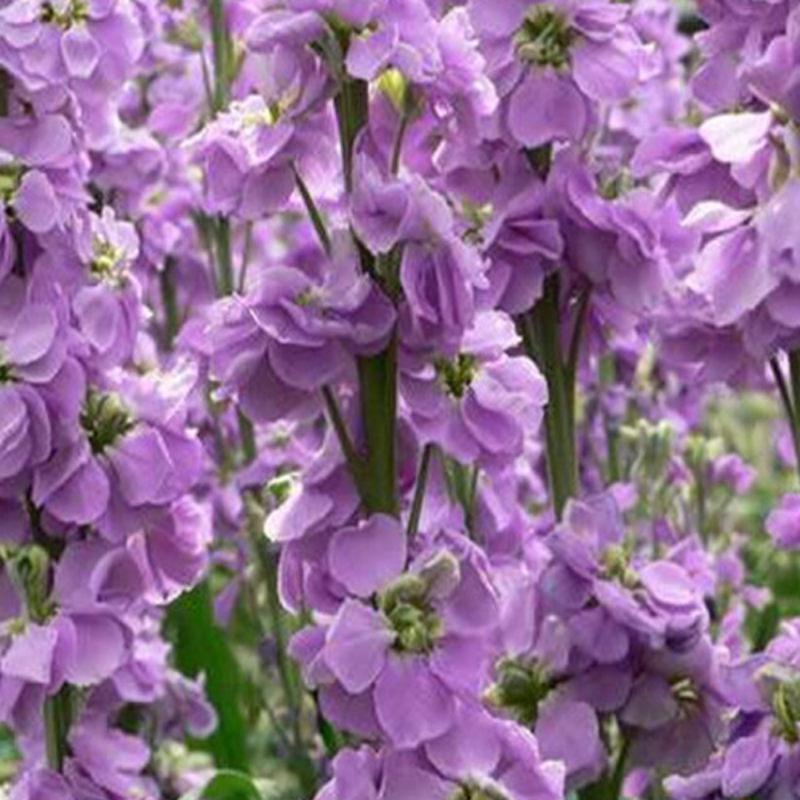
<point x="201" y="647"/>
<point x="226" y="785"/>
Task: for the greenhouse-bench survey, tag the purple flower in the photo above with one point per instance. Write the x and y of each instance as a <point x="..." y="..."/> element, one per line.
<point x="477" y="403"/>
<point x="107" y="758"/>
<point x="521" y="244"/>
<point x="552" y="61"/>
<point x="88" y="47"/>
<point x="108" y="310"/>
<point x="479" y="756"/>
<point x="249" y="153"/>
<point x="176" y="546"/>
<point x="294" y="334"/>
<point x="438" y="273"/>
<point x="422" y="641"/>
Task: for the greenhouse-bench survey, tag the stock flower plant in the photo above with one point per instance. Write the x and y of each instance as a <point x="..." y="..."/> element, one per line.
<point x="399" y="399"/>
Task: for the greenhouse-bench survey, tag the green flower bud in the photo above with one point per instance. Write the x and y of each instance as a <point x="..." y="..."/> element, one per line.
<point x="105" y="420"/>
<point x="10" y="179"/>
<point x="107" y="264"/>
<point x="455" y="375"/>
<point x="685" y="693"/>
<point x="75" y="12"/>
<point x="410" y="615"/>
<point x="545" y="38"/>
<point x="615" y="566"/>
<point x="474" y="791"/>
<point x="280" y="487"/>
<point x="519" y="689"/>
<point x="781" y="685"/>
<point x="29" y="571"/>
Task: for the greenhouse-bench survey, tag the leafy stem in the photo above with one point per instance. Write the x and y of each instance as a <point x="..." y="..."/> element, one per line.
<point x="540" y="331"/>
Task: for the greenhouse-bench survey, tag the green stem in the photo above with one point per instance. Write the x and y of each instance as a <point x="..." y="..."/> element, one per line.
<point x="31" y="574"/>
<point x="581" y="313"/>
<point x="248" y="438"/>
<point x="328" y="734"/>
<point x="397" y="148"/>
<point x="377" y="378"/>
<point x="225" y="287"/>
<point x="220" y="43"/>
<point x="618" y="776"/>
<point x="540" y="334"/>
<point x="794" y="373"/>
<point x="472" y="498"/>
<point x="609" y="786"/>
<point x="352" y="112"/>
<point x="169" y="299"/>
<point x="377" y="375"/>
<point x="224" y="257"/>
<point x="246" y="253"/>
<point x="5" y="91"/>
<point x="700" y="492"/>
<point x="462" y="488"/>
<point x="789" y="397"/>
<point x="57" y="720"/>
<point x="608" y="376"/>
<point x="269" y="573"/>
<point x="352" y="458"/>
<point x="313" y="213"/>
<point x="419" y="491"/>
<point x="299" y="761"/>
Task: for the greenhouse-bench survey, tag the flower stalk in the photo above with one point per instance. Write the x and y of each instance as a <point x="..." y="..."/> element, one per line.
<point x="540" y="331"/>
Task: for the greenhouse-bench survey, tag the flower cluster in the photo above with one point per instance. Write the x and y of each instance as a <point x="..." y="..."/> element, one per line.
<point x="101" y="523"/>
<point x="386" y="399"/>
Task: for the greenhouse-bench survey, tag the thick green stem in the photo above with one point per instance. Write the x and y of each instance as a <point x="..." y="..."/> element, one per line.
<point x="377" y="378"/>
<point x="169" y="299"/>
<point x="540" y="333"/>
<point x="224" y="257"/>
<point x="374" y="473"/>
<point x="352" y="111"/>
<point x="57" y="721"/>
<point x="377" y="375"/>
<point x="220" y="43"/>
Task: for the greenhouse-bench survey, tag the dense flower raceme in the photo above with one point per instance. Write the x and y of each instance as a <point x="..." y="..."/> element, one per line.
<point x="99" y="525"/>
<point x="378" y="367"/>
